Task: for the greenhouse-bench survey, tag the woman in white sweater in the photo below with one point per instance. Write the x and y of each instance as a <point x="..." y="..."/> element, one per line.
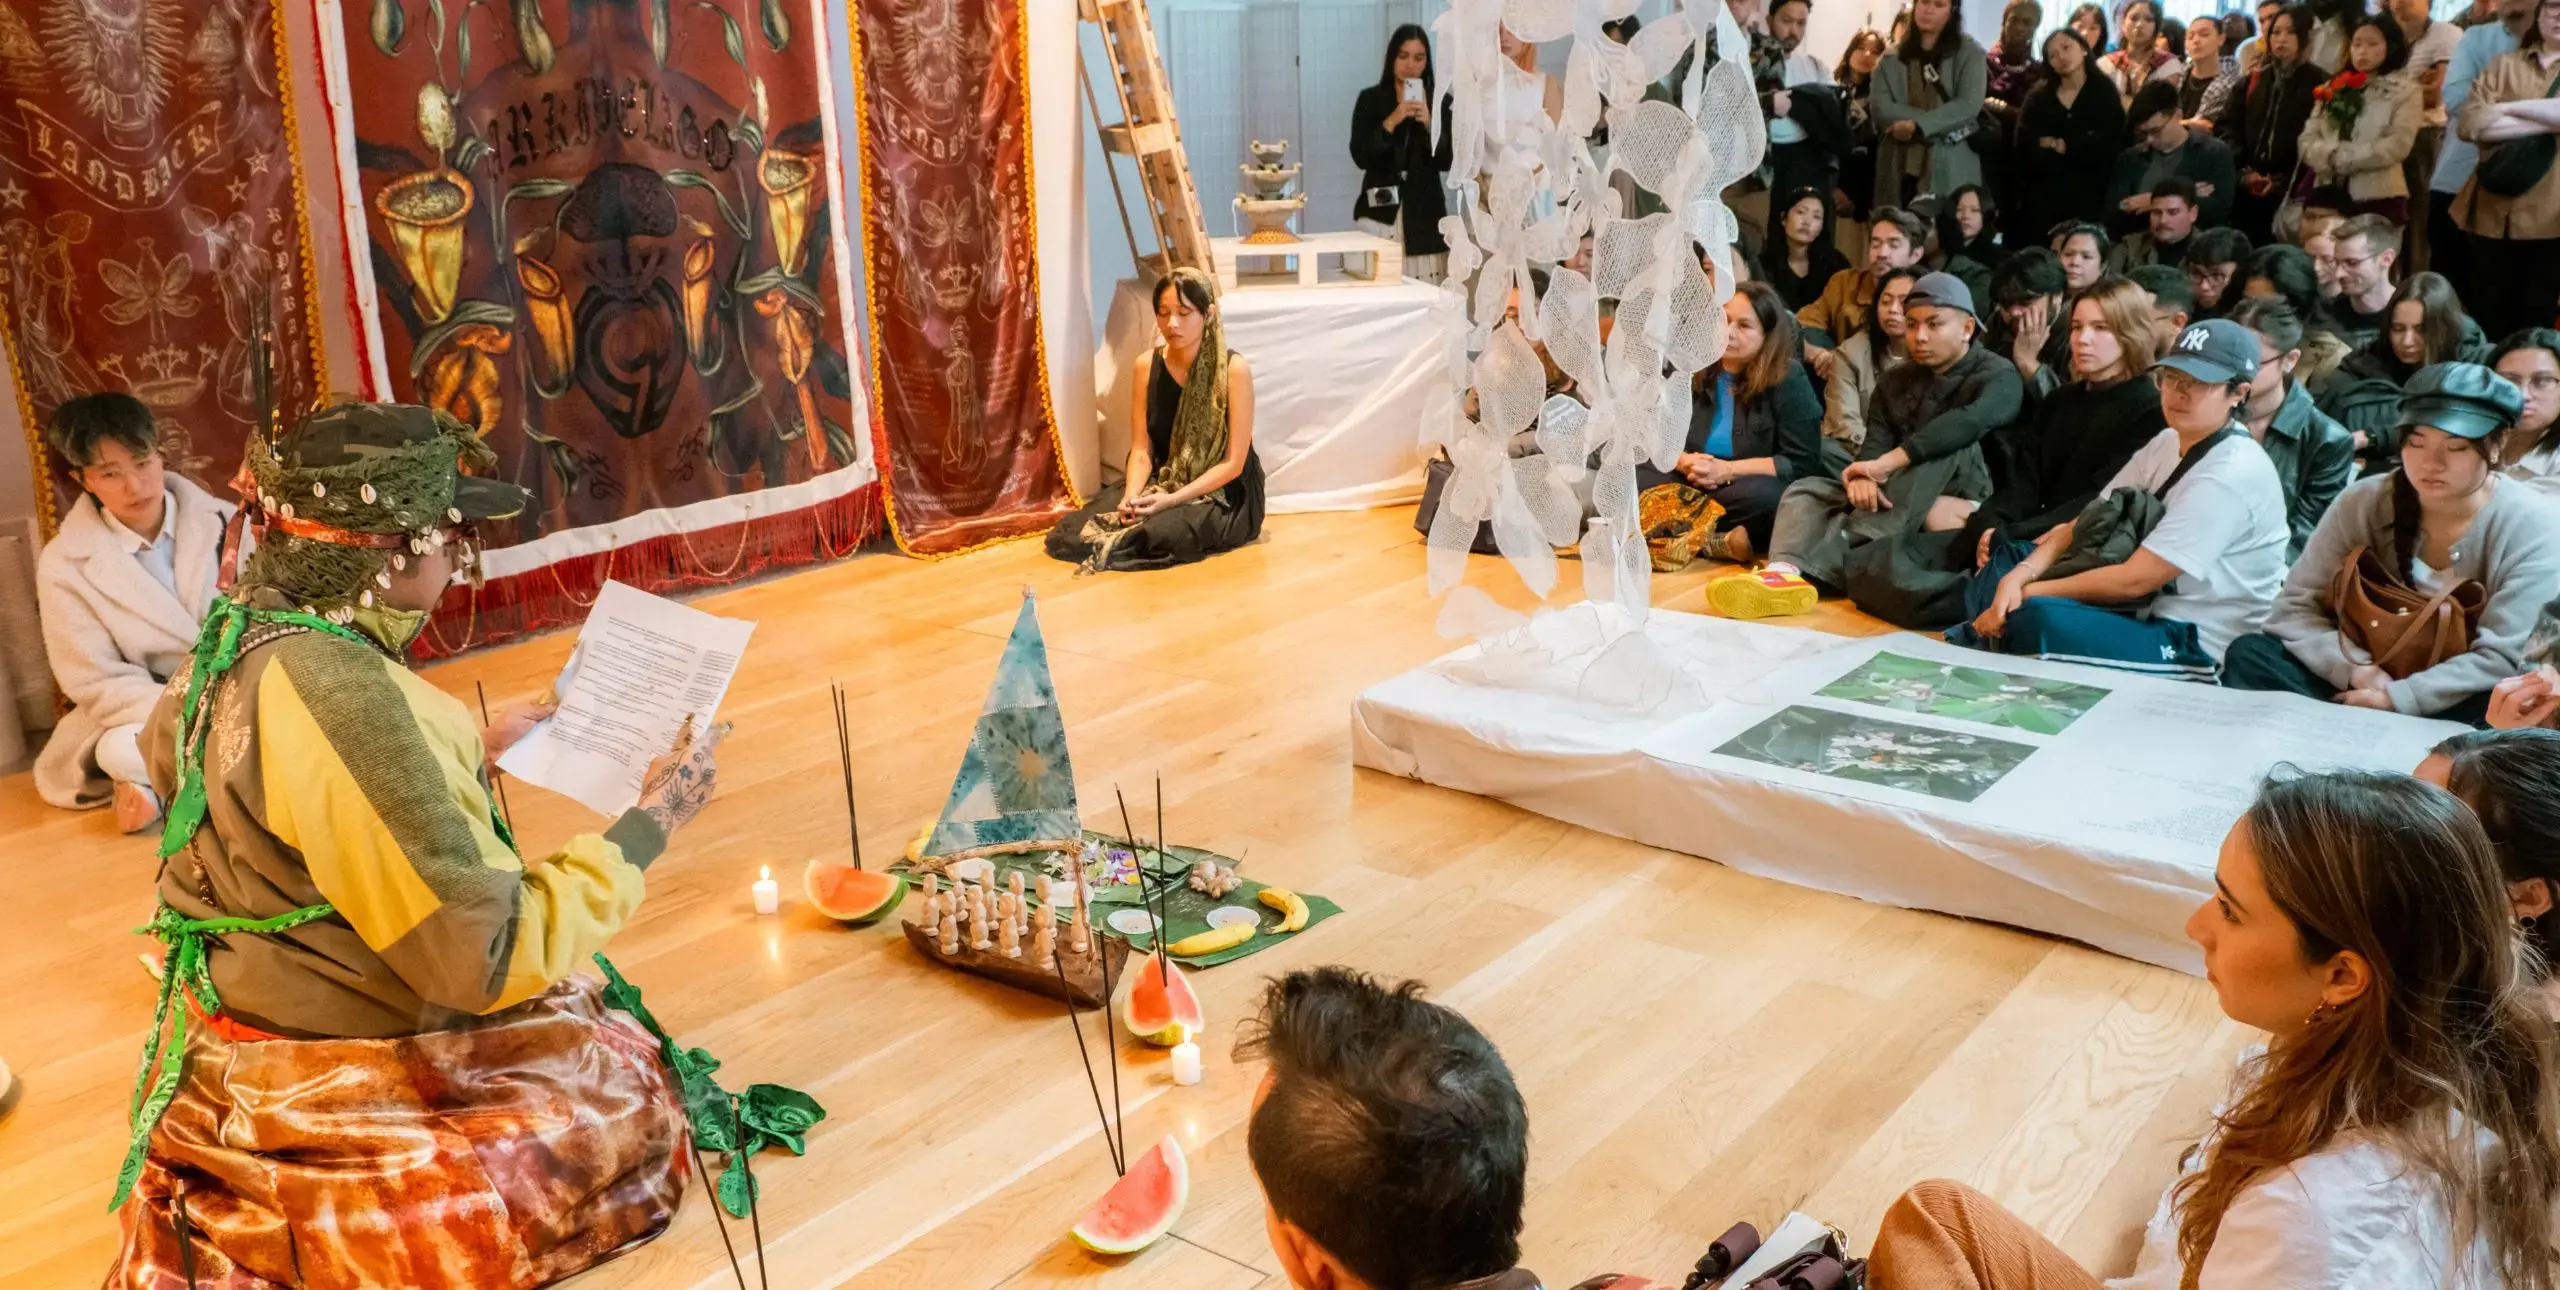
<point x="2364" y="124"/>
<point x="121" y="588"/>
<point x="2443" y="517"/>
<point x="2401" y="1129"/>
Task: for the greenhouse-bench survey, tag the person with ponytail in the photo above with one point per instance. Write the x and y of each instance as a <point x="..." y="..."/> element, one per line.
<point x="2443" y="519"/>
<point x="2401" y="1126"/>
<point x="2511" y="780"/>
<point x="1193" y="484"/>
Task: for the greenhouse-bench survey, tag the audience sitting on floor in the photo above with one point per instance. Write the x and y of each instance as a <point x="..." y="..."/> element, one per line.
<point x="2511" y="781"/>
<point x="2172" y="220"/>
<point x="2443" y="523"/>
<point x="1923" y="444"/>
<point x="121" y="589"/>
<point x="2186" y="555"/>
<point x="2044" y="469"/>
<point x="1192" y="486"/>
<point x="2026" y="326"/>
<point x="1878" y="348"/>
<point x="2313" y="455"/>
<point x="2083" y="248"/>
<point x="1755" y="426"/>
<point x="2368" y="247"/>
<point x="2401" y="1126"/>
<point x="2212" y="262"/>
<point x="2530" y="360"/>
<point x="1896" y="239"/>
<point x="1388" y="1138"/>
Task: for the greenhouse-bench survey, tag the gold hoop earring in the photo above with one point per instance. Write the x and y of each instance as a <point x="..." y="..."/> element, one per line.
<point x="2319" y="1013"/>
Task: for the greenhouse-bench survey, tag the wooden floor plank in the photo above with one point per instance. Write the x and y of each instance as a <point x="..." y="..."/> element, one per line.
<point x="1696" y="1045"/>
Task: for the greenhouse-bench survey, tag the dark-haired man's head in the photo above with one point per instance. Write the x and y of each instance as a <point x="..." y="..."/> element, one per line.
<point x="1390" y="1142"/>
<point x="2173" y="302"/>
<point x="1897" y="237"/>
<point x="2173" y="210"/>
<point x="110" y="446"/>
<point x="2213" y="258"/>
<point x="2153" y="115"/>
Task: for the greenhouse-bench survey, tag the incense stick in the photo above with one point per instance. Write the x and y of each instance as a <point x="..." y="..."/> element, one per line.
<point x="844" y="763"/>
<point x="1111" y="1045"/>
<point x="1066" y="993"/>
<point x="1164" y="895"/>
<point x="497" y="778"/>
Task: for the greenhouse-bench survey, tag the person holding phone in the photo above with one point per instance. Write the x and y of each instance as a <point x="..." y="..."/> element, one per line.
<point x="1402" y="148"/>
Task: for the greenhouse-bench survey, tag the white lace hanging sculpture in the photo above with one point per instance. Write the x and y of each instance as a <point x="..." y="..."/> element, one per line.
<point x="1528" y="190"/>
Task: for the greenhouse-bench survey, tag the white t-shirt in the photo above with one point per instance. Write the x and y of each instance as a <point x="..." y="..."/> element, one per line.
<point x="2224" y="528"/>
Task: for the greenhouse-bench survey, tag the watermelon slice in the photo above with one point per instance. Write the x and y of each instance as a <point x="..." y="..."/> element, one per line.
<point x="857" y="896"/>
<point x="1141" y="1206"/>
<point x="1159" y="1006"/>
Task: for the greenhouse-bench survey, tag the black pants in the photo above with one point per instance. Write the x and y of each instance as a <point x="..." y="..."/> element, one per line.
<point x="2261" y="662"/>
<point x="1751" y="504"/>
<point x="2516" y="283"/>
<point x="2449" y="248"/>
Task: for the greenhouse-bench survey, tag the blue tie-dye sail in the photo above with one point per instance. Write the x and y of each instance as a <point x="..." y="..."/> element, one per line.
<point x="1015" y="783"/>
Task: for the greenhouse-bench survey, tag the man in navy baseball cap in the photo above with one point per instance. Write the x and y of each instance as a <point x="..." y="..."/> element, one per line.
<point x="2216" y="351"/>
<point x="2198" y="517"/>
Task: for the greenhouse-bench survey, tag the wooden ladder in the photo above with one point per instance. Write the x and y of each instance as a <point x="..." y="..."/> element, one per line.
<point x="1148" y="135"/>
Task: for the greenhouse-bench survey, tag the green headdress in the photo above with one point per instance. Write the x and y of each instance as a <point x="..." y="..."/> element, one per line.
<point x="346" y="498"/>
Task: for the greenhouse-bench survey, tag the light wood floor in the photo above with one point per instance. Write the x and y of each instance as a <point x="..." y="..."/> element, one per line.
<point x="1696" y="1046"/>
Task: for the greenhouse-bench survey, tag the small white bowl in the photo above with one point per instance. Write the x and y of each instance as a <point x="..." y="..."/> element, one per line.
<point x="1231" y="915"/>
<point x="1132" y="922"/>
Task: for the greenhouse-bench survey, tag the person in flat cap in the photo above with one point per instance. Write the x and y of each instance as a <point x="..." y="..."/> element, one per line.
<point x="372" y="1063"/>
<point x="2184" y="549"/>
<point x="2443" y="534"/>
<point x="1923" y="446"/>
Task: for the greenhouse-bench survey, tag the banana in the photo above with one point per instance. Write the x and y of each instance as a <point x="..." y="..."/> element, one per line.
<point x="1215" y="940"/>
<point x="1292" y="907"/>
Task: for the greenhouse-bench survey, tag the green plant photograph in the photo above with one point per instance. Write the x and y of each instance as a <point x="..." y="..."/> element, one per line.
<point x="1945" y="764"/>
<point x="2036" y="704"/>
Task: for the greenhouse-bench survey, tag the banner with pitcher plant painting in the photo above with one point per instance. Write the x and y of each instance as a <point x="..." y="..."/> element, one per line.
<point x="969" y="443"/>
<point x="600" y="232"/>
<point x="148" y="219"/>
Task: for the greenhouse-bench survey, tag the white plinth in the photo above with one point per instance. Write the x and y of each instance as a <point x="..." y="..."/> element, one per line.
<point x="1362" y="259"/>
<point x="2106" y="832"/>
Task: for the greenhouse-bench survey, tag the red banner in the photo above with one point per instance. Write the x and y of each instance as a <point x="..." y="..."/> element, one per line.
<point x="147" y="204"/>
<point x="601" y="231"/>
<point x="961" y="383"/>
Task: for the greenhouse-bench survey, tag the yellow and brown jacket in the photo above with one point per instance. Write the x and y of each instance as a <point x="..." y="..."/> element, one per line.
<point x="333" y="773"/>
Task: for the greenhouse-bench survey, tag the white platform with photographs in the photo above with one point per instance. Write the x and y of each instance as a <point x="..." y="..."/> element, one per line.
<point x="2066" y="799"/>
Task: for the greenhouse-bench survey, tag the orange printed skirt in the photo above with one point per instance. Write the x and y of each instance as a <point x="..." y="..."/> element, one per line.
<point x="513" y="1153"/>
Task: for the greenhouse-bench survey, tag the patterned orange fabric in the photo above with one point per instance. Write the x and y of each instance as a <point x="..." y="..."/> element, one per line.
<point x="508" y="1154"/>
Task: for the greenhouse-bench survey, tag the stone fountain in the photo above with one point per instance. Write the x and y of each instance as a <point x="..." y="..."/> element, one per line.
<point x="1266" y="202"/>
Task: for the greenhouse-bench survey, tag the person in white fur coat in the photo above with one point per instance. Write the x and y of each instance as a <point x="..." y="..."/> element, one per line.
<point x="121" y="589"/>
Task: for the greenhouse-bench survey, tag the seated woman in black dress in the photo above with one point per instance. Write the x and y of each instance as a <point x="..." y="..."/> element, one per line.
<point x="1198" y="488"/>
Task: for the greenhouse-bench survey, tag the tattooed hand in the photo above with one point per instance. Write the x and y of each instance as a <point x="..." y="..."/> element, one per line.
<point x="680" y="783"/>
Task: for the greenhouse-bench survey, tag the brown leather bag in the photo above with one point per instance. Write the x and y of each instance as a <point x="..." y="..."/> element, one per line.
<point x="2404" y="630"/>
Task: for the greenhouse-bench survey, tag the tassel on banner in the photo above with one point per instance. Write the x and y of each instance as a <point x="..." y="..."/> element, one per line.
<point x="559" y="594"/>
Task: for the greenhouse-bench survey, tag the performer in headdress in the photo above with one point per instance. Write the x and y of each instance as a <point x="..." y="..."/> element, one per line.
<point x="381" y="1069"/>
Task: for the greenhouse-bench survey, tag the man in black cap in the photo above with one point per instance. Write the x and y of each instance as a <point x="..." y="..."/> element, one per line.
<point x="2443" y="518"/>
<point x="2200" y="578"/>
<point x="394" y="1079"/>
<point x="1925" y="426"/>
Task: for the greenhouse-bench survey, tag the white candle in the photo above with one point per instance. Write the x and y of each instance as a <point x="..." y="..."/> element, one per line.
<point x="1186" y="1063"/>
<point x="768" y="893"/>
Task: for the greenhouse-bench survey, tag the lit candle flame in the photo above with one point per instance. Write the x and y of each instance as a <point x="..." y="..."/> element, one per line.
<point x="764" y="873"/>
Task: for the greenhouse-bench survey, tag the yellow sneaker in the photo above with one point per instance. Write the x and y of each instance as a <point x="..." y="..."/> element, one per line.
<point x="1761" y="593"/>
